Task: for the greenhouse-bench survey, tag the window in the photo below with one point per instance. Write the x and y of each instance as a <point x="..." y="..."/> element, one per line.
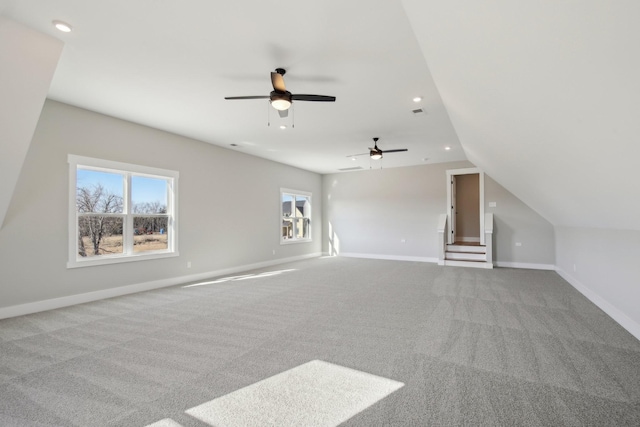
<point x="120" y="212"/>
<point x="295" y="216"/>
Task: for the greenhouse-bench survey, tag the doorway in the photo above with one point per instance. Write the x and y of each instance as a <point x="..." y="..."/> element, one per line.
<point x="465" y="206"/>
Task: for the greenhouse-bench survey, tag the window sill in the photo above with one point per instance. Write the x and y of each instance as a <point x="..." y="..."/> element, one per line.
<point x="294" y="241"/>
<point x="118" y="259"/>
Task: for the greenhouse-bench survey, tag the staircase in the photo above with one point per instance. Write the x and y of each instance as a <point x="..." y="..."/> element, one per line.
<point x="466" y="254"/>
<point x="461" y="254"/>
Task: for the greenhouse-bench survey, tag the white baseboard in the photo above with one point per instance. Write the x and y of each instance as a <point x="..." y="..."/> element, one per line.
<point x="389" y="257"/>
<point x="617" y="315"/>
<point x="524" y="265"/>
<point x="439" y="262"/>
<point x="51" y="304"/>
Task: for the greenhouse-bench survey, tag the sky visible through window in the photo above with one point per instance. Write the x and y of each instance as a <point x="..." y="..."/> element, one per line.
<point x="148" y="190"/>
<point x="144" y="189"/>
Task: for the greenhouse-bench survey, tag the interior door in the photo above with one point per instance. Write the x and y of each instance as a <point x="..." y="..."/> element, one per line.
<point x="453" y="188"/>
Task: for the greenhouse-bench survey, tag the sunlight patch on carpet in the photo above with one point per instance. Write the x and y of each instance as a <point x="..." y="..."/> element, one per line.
<point x="167" y="422"/>
<point x="316" y="393"/>
<point x="242" y="277"/>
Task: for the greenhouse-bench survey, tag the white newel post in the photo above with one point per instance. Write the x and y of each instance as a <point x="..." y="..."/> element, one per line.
<point x="442" y="238"/>
<point x="488" y="236"/>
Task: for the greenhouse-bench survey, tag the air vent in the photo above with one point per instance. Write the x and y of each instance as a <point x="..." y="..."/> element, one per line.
<point x="418" y="111"/>
<point x="355" y="168"/>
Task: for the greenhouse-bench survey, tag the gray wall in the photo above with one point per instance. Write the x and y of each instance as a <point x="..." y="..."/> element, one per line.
<point x="228" y="207"/>
<point x="371" y="212"/>
<point x="603" y="265"/>
<point x="515" y="222"/>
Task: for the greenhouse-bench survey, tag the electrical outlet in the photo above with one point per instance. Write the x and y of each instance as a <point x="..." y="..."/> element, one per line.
<point x="274" y="252"/>
<point x="188" y="264"/>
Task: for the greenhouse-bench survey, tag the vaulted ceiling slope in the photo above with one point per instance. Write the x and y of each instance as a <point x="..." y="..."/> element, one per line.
<point x="544" y="96"/>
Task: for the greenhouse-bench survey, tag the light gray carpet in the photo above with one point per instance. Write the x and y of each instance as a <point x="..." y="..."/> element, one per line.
<point x="473" y="347"/>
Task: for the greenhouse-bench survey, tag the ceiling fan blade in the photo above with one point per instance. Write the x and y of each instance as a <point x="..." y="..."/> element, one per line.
<point x="247" y="97"/>
<point x="283" y="113"/>
<point x="394" y="151"/>
<point x="278" y="82"/>
<point x="356" y="155"/>
<point x="316" y="98"/>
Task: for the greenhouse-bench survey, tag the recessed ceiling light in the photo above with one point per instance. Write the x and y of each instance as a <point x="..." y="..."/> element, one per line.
<point x="62" y="26"/>
<point x="283" y="127"/>
<point x="353" y="158"/>
<point x="447" y="148"/>
<point x="417" y="99"/>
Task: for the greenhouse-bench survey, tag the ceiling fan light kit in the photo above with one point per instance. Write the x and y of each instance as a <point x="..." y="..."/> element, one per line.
<point x="281" y="101"/>
<point x="375" y="155"/>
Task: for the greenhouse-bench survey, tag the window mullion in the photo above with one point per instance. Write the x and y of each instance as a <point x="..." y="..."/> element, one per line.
<point x="293" y="217"/>
<point x="170" y="223"/>
<point x="127" y="233"/>
<point x="297" y="217"/>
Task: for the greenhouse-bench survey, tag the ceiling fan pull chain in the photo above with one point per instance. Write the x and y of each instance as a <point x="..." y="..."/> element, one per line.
<point x="268" y="114"/>
<point x="293" y="117"/>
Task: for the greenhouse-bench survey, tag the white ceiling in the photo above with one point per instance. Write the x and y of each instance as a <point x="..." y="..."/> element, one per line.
<point x="169" y="65"/>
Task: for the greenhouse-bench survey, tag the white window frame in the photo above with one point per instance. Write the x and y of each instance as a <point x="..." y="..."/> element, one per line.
<point x="128" y="170"/>
<point x="294" y="239"/>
